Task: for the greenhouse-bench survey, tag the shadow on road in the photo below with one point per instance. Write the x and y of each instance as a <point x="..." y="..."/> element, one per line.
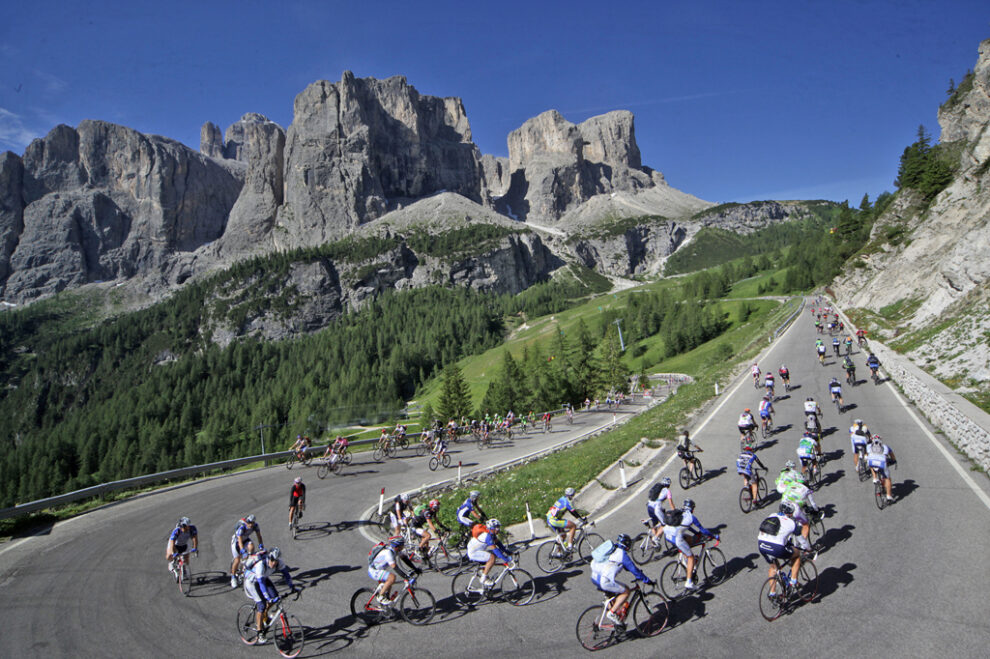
<point x="834" y="536"/>
<point x="712" y="474"/>
<point x="738" y="564"/>
<point x="831" y="477"/>
<point x="207" y="584"/>
<point x="832" y="578"/>
<point x="313" y="577"/>
<point x="901" y="490"/>
<point x="551" y="585"/>
<point x="313" y="530"/>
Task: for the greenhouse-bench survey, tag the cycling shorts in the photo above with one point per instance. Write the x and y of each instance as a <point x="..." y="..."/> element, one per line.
<point x="882" y="471"/>
<point x="653" y="516"/>
<point x="677" y="539"/>
<point x="608" y="585"/>
<point x="259" y="591"/>
<point x="771" y="550"/>
<point x="554" y="523"/>
<point x="377" y="575"/>
<point x="293" y="500"/>
<point x="234" y="551"/>
<point x="748" y="473"/>
<point x="177" y="549"/>
<point x="477" y="551"/>
<point x="419" y="530"/>
<point x="764" y="414"/>
<point x="465" y="519"/>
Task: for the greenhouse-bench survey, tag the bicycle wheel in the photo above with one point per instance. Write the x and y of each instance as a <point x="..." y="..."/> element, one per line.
<point x="337" y="466"/>
<point x="745" y="499"/>
<point x="698" y="470"/>
<point x="684" y="478"/>
<point x="807" y="581"/>
<point x="323" y="470"/>
<point x="288" y="636"/>
<point x="379" y="454"/>
<point x="246" y="624"/>
<point x="817" y="529"/>
<point x="761" y="492"/>
<point x="713" y="566"/>
<point x="879" y="495"/>
<point x="359" y="602"/>
<point x="517" y="587"/>
<point x="418" y="606"/>
<point x="445" y="461"/>
<point x="814" y="473"/>
<point x="771" y="606"/>
<point x="466" y="587"/>
<point x="345" y="458"/>
<point x="295" y="526"/>
<point x="587" y="545"/>
<point x="672" y="579"/>
<point x="447" y="559"/>
<point x="763" y="430"/>
<point x="650" y="613"/>
<point x="591" y="635"/>
<point x="434" y="463"/>
<point x="550" y="557"/>
<point x="290" y="461"/>
<point x="421" y="449"/>
<point x="185" y="578"/>
<point x="642" y="549"/>
<point x="862" y="470"/>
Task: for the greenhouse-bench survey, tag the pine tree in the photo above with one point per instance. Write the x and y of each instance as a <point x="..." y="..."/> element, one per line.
<point x="455" y="396"/>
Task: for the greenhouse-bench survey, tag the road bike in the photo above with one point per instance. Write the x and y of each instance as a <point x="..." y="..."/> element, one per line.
<point x="294" y="458"/>
<point x="511" y="584"/>
<point x="838" y="402"/>
<point x="787" y="383"/>
<point x="746" y="502"/>
<point x="386" y="450"/>
<point x="646" y="545"/>
<point x="766" y="427"/>
<point x="552" y="555"/>
<point x="821" y="358"/>
<point x="691" y="473"/>
<point x="284" y="629"/>
<point x="879" y="491"/>
<point x="437" y="460"/>
<point x="415" y="605"/>
<point x="749" y="440"/>
<point x="817" y="525"/>
<point x="851" y="377"/>
<point x="778" y="596"/>
<point x="181" y="571"/>
<point x="862" y="470"/>
<point x="875" y="374"/>
<point x="297" y="514"/>
<point x="329" y="466"/>
<point x="674" y="574"/>
<point x="650" y="612"/>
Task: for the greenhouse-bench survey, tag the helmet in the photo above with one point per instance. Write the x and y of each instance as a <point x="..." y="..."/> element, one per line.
<point x="809" y="399"/>
<point x="623" y="540"/>
<point x="783" y="367"/>
<point x="434" y="504"/>
<point x="274" y="553"/>
<point x="688" y="504"/>
<point x="876" y="439"/>
<point x="298" y="436"/>
<point x="766" y="397"/>
<point x="249" y="519"/>
<point x="748" y="448"/>
<point x="493" y="524"/>
<point x="665" y="482"/>
<point x="184" y="521"/>
<point x="298" y="480"/>
<point x="858" y="422"/>
<point x="569" y="492"/>
<point x="404" y="498"/>
<point x="474" y="495"/>
<point x="834" y="379"/>
<point x="770" y="373"/>
<point x="789" y="464"/>
<point x="785" y="508"/>
<point x="746" y="410"/>
<point x="397" y="542"/>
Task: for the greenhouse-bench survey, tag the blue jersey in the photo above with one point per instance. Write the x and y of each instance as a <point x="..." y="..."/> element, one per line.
<point x="558" y="509"/>
<point x="466" y="508"/>
<point x="242" y="530"/>
<point x="181" y="538"/>
<point x="744" y="463"/>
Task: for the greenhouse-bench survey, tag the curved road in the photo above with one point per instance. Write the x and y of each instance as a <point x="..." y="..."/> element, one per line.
<point x="906" y="580"/>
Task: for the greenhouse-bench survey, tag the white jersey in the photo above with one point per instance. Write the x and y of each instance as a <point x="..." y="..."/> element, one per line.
<point x="876" y="457"/>
<point x="787" y="528"/>
<point x="656" y="506"/>
<point x="261" y="569"/>
<point x="858" y="435"/>
<point x="384" y="559"/>
<point x="746" y="420"/>
<point x="810" y="407"/>
<point x="610" y="567"/>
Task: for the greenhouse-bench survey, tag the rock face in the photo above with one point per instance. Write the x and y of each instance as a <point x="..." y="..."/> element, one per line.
<point x="11" y="208"/>
<point x="211" y="140"/>
<point x="357" y="145"/>
<point x="104" y="201"/>
<point x="638" y="250"/>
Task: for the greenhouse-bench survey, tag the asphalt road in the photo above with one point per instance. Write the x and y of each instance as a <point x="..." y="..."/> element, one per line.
<point x="906" y="580"/>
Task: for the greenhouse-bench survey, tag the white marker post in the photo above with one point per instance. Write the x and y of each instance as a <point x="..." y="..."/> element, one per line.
<point x="458" y="473"/>
<point x="381" y="502"/>
<point x="716" y="388"/>
<point x="622" y="474"/>
<point x="529" y="516"/>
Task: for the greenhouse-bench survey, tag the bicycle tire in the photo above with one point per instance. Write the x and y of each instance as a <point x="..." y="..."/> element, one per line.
<point x="590" y="634"/>
<point x="862" y="470"/>
<point x="817" y="529"/>
<point x="434" y="463"/>
<point x="288" y="635"/>
<point x="421" y="449"/>
<point x="464" y="587"/>
<point x="447" y="559"/>
<point x="346" y="457"/>
<point x="713" y="566"/>
<point x="418" y="607"/>
<point x="745" y="499"/>
<point x="763" y="430"/>
<point x="550" y="557"/>
<point x="684" y="478"/>
<point x="185" y="578"/>
<point x="807" y="581"/>
<point x="445" y="461"/>
<point x="289" y="462"/>
<point x="336" y="467"/>
<point x="517" y="587"/>
<point x="879" y="495"/>
<point x="322" y="471"/>
<point x="379" y="454"/>
<point x="771" y="609"/>
<point x="699" y="472"/>
<point x="295" y="526"/>
<point x="246" y="624"/>
<point x="761" y="492"/>
<point x="672" y="578"/>
<point x="587" y="545"/>
<point x="642" y="549"/>
<point x="650" y="613"/>
<point x="358" y="601"/>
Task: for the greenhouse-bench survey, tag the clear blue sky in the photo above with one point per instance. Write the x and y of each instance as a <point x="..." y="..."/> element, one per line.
<point x="733" y="100"/>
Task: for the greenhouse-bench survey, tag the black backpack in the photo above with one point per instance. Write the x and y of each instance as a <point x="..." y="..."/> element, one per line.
<point x="655" y="491"/>
<point x="673" y="517"/>
<point x="771" y="525"/>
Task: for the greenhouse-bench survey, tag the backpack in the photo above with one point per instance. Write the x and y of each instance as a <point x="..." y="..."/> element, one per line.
<point x="602" y="552"/>
<point x="655" y="491"/>
<point x="673" y="517"/>
<point x="373" y="554"/>
<point x="771" y="525"/>
<point x="477" y="530"/>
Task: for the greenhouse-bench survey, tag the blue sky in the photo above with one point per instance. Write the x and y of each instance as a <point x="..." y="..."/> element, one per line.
<point x="734" y="101"/>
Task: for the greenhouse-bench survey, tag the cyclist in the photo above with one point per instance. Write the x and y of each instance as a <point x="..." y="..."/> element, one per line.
<point x="820" y="348"/>
<point x="812" y="410"/>
<point x="469" y="509"/>
<point x="300" y="446"/>
<point x="439" y="445"/>
<point x="775" y="541"/>
<point x="555" y="516"/>
<point x="746" y="424"/>
<point x="603" y="575"/>
<point x="807" y="450"/>
<point x="337" y="449"/>
<point x="850" y="369"/>
<point x="755" y="371"/>
<point x="800" y="495"/>
<point x="486" y="547"/>
<point x="873" y="362"/>
<point x="297" y="500"/>
<point x="383" y="439"/>
<point x="848" y="342"/>
<point x="835" y="345"/>
<point x="258" y="584"/>
<point x="766" y="410"/>
<point x="400" y="513"/>
<point x="789" y="474"/>
<point x="785" y="375"/>
<point x="859" y="435"/>
<point x="686" y="449"/>
<point x="879" y="456"/>
<point x="768" y="382"/>
<point x="383" y="566"/>
<point x="238" y="543"/>
<point x="675" y="535"/>
<point x="744" y="467"/>
<point x="546" y="421"/>
<point x="861" y="336"/>
<point x="426" y="518"/>
<point x="659" y="493"/>
<point x="178" y="541"/>
<point x="818" y="325"/>
<point x="835" y="391"/>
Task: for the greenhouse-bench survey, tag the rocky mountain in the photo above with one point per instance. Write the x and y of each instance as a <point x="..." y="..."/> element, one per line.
<point x="924" y="279"/>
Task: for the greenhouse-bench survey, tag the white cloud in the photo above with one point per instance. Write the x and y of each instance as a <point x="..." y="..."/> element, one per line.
<point x="13" y="132"/>
<point x="50" y="84"/>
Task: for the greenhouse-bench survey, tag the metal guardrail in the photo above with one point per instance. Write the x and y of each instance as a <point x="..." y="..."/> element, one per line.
<point x="790" y="319"/>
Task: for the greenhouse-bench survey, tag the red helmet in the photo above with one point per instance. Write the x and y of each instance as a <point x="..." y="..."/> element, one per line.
<point x="434" y="504"/>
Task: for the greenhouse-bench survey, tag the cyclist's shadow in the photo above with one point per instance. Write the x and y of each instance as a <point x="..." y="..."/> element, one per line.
<point x="834" y="536"/>
<point x="334" y="637"/>
<point x="551" y="585"/>
<point x="711" y="474"/>
<point x="831" y="578"/>
<point x="313" y="577"/>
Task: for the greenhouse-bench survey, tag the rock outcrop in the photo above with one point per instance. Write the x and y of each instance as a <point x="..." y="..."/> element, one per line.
<point x="11" y="208"/>
<point x="211" y="140"/>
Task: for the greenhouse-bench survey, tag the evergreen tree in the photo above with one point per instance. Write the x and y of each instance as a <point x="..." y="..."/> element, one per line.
<point x="455" y="395"/>
<point x="613" y="375"/>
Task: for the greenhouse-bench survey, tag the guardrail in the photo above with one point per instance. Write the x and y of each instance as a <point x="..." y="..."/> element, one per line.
<point x="790" y="319"/>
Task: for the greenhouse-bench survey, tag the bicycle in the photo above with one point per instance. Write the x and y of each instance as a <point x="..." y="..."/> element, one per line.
<point x="181" y="571"/>
<point x="674" y="574"/>
<point x="787" y="383"/>
<point x="294" y="457"/>
<point x="784" y="595"/>
<point x="552" y="555"/>
<point x="816" y="524"/>
<point x="879" y="491"/>
<point x="838" y="402"/>
<point x="851" y="377"/>
<point x="329" y="466"/>
<point x="382" y="451"/>
<point x="862" y="470"/>
<point x="691" y="473"/>
<point x="650" y="611"/>
<point x="417" y="606"/>
<point x="423" y="447"/>
<point x="445" y="557"/>
<point x="746" y="502"/>
<point x="645" y="545"/>
<point x="512" y="584"/>
<point x="297" y="514"/>
<point x="766" y="428"/>
<point x="749" y="440"/>
<point x="437" y="460"/>
<point x="875" y="375"/>
<point x="289" y="637"/>
<point x="821" y="358"/>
